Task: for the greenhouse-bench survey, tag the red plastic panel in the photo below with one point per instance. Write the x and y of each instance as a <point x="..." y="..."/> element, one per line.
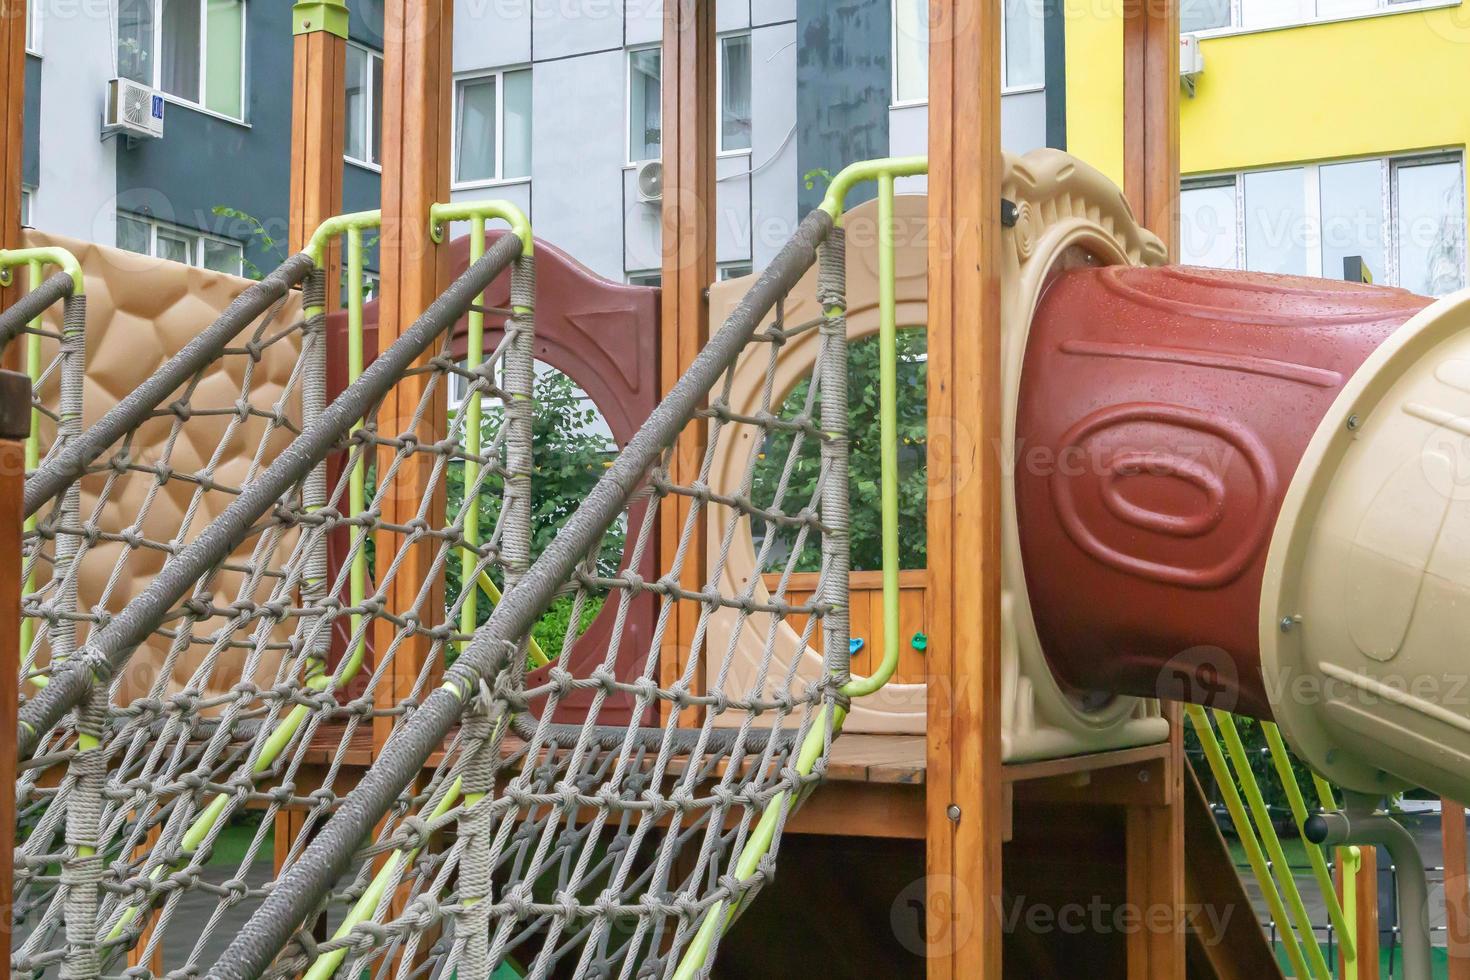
<point x="1162" y="415"/>
<point x="604" y="336"/>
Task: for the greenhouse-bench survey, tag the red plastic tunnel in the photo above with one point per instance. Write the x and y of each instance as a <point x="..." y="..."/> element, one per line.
<point x="1161" y="416"/>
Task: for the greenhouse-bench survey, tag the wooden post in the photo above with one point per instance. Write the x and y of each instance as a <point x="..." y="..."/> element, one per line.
<point x="964" y="812"/>
<point x="1151" y="115"/>
<point x="1456" y="889"/>
<point x="12" y="142"/>
<point x="1155" y="834"/>
<point x="417" y="119"/>
<point x="688" y="269"/>
<point x="15" y="424"/>
<point x="318" y="124"/>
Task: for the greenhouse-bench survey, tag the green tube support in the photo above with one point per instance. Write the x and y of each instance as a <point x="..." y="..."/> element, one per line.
<point x="1254" y="857"/>
<point x="47" y="255"/>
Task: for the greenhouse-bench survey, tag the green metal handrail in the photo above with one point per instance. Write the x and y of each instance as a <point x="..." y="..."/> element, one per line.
<point x="477" y="214"/>
<point x="720" y="916"/>
<point x="35" y="260"/>
<point x="1253" y="824"/>
<point x="318" y="678"/>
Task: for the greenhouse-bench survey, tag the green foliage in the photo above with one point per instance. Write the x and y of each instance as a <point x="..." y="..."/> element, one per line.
<point x="551" y="630"/>
<point x="864" y="460"/>
<point x="810" y="178"/>
<point x="258" y="233"/>
<point x="569" y="457"/>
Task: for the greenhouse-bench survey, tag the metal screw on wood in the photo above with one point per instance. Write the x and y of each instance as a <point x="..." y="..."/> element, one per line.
<point x="954" y="813"/>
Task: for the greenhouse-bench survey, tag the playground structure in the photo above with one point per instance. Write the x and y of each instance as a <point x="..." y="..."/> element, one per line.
<point x="288" y="592"/>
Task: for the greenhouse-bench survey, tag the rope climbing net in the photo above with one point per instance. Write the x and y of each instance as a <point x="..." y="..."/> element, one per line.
<point x="440" y="793"/>
<point x="107" y="509"/>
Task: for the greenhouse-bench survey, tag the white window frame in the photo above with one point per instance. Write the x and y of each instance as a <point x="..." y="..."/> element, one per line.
<point x="1386" y="8"/>
<point x="200" y="237"/>
<point x="499" y="180"/>
<point x="1005" y="89"/>
<point x="33" y="28"/>
<point x="734" y="270"/>
<point x="1312" y="206"/>
<point x="374" y="121"/>
<point x="201" y="105"/>
<point x="27" y="206"/>
<point x="720" y="93"/>
<point x="628" y="99"/>
<point x="639" y="277"/>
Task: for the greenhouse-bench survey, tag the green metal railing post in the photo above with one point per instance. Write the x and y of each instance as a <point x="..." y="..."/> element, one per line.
<point x="35" y="261"/>
<point x="317" y="677"/>
<point x="884" y="172"/>
<point x="477" y="214"/>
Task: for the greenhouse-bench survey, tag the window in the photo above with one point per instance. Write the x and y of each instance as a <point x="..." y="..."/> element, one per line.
<point x="27" y="202"/>
<point x="734" y="71"/>
<point x="33" y="27"/>
<point x="645" y="106"/>
<point x="364" y="142"/>
<point x="646" y="277"/>
<point x="1404" y="218"/>
<point x="1246" y="15"/>
<point x="910" y="51"/>
<point x="193" y="50"/>
<point x="1023" y="47"/>
<point x="1023" y="65"/>
<point x="733" y="270"/>
<point x="493" y="127"/>
<point x="145" y="236"/>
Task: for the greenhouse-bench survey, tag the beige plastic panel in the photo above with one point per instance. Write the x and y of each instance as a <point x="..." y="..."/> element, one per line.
<point x="1365" y="615"/>
<point x="140" y="312"/>
<point x="1065" y="209"/>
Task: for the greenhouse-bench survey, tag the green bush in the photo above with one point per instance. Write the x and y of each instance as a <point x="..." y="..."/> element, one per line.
<point x="864" y="460"/>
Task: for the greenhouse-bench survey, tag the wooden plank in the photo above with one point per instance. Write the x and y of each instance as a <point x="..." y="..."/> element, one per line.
<point x="688" y="269"/>
<point x="12" y="491"/>
<point x="889" y="810"/>
<point x="1456" y="889"/>
<point x="964" y="817"/>
<point x="417" y="89"/>
<point x="318" y="135"/>
<point x="12" y="143"/>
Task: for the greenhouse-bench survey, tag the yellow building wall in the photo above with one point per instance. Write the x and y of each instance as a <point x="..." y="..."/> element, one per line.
<point x="1371" y="86"/>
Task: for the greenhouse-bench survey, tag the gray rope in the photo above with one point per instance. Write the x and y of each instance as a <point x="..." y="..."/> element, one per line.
<point x="836" y="562"/>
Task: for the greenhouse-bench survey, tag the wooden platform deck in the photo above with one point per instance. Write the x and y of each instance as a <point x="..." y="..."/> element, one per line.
<point x="876" y="783"/>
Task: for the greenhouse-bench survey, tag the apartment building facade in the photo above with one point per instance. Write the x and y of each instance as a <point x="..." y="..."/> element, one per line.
<point x="1313" y="142"/>
<point x="556" y="108"/>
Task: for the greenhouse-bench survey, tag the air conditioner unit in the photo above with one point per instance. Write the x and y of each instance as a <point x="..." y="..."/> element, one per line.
<point x="132" y="109"/>
<point x="651" y="182"/>
<point x="1191" y="60"/>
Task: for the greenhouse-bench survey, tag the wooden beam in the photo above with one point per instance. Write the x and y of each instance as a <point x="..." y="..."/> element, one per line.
<point x="15" y="419"/>
<point x="318" y="126"/>
<point x="1456" y="889"/>
<point x="1151" y="115"/>
<point x="417" y="119"/>
<point x="12" y="142"/>
<point x="964" y="813"/>
<point x="688" y="219"/>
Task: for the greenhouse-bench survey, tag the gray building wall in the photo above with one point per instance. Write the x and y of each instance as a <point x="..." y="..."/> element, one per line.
<point x="202" y="162"/>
